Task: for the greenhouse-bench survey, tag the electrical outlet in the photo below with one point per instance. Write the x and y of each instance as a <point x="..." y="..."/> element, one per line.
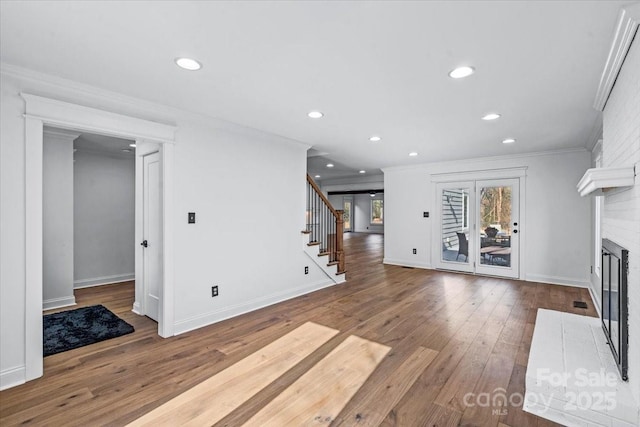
<point x="306" y="269"/>
<point x="214" y="291"/>
<point x="191" y="218"/>
<point x="425" y="214"/>
<point x="415" y="251"/>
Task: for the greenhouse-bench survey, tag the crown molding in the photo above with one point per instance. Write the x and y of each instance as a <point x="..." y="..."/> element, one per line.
<point x="487" y="159"/>
<point x="626" y="29"/>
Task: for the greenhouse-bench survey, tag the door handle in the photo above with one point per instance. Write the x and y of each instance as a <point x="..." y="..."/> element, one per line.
<point x="514" y="231"/>
<point x="144" y="243"/>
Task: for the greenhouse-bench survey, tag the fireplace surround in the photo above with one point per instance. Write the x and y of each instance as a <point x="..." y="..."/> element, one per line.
<point x="615" y="267"/>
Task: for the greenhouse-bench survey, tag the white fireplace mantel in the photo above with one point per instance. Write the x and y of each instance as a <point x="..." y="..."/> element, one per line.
<point x="598" y="181"/>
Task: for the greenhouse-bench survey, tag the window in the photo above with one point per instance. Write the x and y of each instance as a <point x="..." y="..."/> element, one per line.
<point x="377" y="213"/>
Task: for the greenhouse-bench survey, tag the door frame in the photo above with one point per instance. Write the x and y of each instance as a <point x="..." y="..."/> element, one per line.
<point x="41" y="111"/>
<point x="519" y="172"/>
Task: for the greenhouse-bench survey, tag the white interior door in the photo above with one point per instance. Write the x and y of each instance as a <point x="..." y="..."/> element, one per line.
<point x="455" y="239"/>
<point x="498" y="220"/>
<point x="152" y="234"/>
<point x="478" y="227"/>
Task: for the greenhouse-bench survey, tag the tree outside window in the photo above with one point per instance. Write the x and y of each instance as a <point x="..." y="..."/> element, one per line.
<point x="377" y="212"/>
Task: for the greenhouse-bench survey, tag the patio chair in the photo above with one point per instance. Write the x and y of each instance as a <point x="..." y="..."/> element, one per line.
<point x="463" y="246"/>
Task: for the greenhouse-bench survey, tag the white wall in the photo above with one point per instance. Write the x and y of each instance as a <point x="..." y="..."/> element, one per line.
<point x="247" y="188"/>
<point x="104" y="218"/>
<point x="555" y="247"/>
<point x="621" y="216"/>
<point x="362" y="209"/>
<point x="57" y="210"/>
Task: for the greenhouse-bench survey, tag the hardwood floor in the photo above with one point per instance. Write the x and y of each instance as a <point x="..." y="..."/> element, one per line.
<point x="449" y="334"/>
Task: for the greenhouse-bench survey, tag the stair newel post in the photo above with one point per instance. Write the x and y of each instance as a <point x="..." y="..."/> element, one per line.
<point x="340" y="240"/>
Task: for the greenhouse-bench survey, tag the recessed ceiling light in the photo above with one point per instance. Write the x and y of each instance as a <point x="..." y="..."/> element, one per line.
<point x="132" y="145"/>
<point x="508" y="140"/>
<point x="460" y="72"/>
<point x="315" y="114"/>
<point x="126" y="150"/>
<point x="491" y="116"/>
<point x="188" y="64"/>
<point x="413" y="154"/>
<point x="317" y="176"/>
<point x="363" y="172"/>
<point x="329" y="165"/>
<point x="375" y="138"/>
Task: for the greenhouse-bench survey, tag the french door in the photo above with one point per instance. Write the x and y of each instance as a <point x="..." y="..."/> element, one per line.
<point x="478" y="227"/>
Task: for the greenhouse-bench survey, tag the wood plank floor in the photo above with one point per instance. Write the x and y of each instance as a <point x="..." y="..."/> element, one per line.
<point x="449" y="334"/>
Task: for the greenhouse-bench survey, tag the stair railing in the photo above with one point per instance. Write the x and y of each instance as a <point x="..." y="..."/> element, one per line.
<point x="325" y="225"/>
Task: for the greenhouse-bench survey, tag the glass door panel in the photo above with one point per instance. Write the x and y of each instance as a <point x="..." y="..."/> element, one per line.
<point x="455" y="213"/>
<point x="347" y="216"/>
<point x="498" y="227"/>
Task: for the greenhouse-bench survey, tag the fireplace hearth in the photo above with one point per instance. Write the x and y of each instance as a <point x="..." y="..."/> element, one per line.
<point x="615" y="267"/>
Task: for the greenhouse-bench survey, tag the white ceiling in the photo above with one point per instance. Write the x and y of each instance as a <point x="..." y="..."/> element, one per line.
<point x="104" y="144"/>
<point x="371" y="67"/>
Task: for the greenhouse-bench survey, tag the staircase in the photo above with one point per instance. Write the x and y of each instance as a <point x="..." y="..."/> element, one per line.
<point x="323" y="234"/>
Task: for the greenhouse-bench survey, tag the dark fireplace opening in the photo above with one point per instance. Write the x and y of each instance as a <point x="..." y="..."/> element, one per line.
<point x="615" y="268"/>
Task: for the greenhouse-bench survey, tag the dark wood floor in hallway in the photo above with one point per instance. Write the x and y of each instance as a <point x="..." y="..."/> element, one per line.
<point x="480" y="327"/>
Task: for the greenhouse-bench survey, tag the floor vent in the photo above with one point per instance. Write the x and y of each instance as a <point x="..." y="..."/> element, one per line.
<point x="580" y="304"/>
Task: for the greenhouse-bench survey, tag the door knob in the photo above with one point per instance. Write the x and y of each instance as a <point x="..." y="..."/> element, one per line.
<point x="144" y="243"/>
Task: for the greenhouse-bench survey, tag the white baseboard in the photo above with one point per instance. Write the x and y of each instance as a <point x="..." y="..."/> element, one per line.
<point x="405" y="263"/>
<point x="595" y="301"/>
<point x="556" y="280"/>
<point x="104" y="280"/>
<point x="136" y="308"/>
<point x="12" y="377"/>
<point x="52" y="303"/>
<point x="206" y="319"/>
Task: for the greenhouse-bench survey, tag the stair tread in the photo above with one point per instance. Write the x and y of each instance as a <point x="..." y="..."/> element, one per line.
<point x="332" y="263"/>
<point x="341" y="272"/>
<point x="305" y="232"/>
<point x="324" y="253"/>
<point x="313" y="243"/>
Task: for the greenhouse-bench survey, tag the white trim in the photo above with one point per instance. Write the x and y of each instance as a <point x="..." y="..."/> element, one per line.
<point x="33" y="248"/>
<point x="52" y="303"/>
<point x="598" y="181"/>
<point x="625" y="32"/>
<point x="12" y="377"/>
<point x="137" y="309"/>
<point x="205" y="319"/>
<point x="103" y="280"/>
<point x="166" y="312"/>
<point x="38" y="112"/>
<point x="595" y="301"/>
<point x="557" y="280"/>
<point x="480" y="175"/>
<point x="65" y="115"/>
<point x="404" y="263"/>
<point x="486" y="159"/>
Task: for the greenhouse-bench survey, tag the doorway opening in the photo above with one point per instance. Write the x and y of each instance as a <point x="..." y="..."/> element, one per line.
<point x="41" y="112"/>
